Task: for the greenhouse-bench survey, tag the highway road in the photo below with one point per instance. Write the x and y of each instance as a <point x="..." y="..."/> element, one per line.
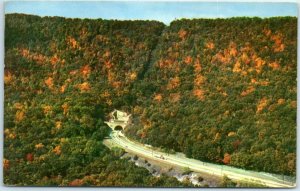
<point x="237" y="174"/>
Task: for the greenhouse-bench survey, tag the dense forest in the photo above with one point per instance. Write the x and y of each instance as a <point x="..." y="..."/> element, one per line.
<point x="221" y="90"/>
<point x="224" y="91"/>
<point x="62" y="76"/>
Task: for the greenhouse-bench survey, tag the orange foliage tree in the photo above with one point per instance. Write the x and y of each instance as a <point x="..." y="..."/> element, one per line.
<point x="227" y="158"/>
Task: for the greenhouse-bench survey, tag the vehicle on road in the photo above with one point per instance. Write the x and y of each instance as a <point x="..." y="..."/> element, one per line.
<point x="160" y="157"/>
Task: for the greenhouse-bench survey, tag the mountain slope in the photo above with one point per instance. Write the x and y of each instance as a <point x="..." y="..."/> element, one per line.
<point x="61" y="78"/>
<point x="217" y="90"/>
<point x="224" y="91"/>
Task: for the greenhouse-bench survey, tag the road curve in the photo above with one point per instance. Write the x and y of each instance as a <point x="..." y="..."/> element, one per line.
<point x="266" y="179"/>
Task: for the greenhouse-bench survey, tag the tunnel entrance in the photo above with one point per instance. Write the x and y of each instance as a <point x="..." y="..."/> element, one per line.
<point x="118" y="128"/>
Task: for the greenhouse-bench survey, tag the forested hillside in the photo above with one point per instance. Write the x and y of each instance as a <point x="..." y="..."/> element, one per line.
<point x="61" y="77"/>
<point x="224" y="91"/>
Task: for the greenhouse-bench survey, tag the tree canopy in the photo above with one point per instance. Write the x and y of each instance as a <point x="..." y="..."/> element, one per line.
<point x="218" y="90"/>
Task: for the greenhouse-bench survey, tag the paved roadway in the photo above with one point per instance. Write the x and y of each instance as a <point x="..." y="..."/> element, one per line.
<point x="266" y="179"/>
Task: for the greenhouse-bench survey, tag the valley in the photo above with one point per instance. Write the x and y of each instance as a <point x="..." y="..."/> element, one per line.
<point x="222" y="92"/>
